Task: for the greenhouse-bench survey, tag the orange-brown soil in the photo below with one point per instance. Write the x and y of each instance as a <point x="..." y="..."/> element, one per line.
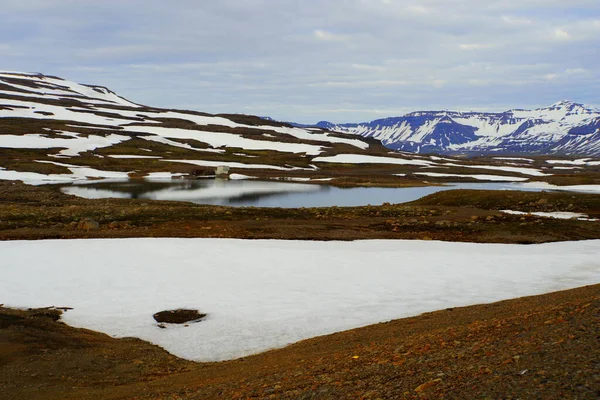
<point x="541" y="347"/>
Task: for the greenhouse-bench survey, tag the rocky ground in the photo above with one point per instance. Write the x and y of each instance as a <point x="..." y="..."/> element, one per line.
<point x="43" y="212"/>
<point x="542" y="347"/>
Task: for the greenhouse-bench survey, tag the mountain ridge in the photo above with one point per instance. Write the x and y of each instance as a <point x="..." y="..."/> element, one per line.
<point x="565" y="127"/>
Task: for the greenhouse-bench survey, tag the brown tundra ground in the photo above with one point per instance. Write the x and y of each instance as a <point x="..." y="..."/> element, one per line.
<point x="542" y="347"/>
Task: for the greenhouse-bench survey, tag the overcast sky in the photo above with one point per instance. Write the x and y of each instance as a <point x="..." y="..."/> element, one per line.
<point x="309" y="60"/>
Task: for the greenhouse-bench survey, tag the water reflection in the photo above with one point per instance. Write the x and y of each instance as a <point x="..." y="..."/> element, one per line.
<point x="264" y="194"/>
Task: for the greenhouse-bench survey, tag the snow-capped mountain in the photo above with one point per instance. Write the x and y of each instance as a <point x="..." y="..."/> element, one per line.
<point x="562" y="128"/>
<point x="53" y="130"/>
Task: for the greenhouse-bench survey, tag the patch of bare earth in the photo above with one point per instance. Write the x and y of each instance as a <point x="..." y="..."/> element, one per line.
<point x="541" y="347"/>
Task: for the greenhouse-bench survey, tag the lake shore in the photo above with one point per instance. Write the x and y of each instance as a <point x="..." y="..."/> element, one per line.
<point x="43" y="212"/>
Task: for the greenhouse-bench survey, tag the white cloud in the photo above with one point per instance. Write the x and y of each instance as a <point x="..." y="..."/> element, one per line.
<point x="474" y="46"/>
<point x="575" y="71"/>
<point x="359" y="84"/>
<point x="300" y="62"/>
<point x="562" y="34"/>
<point x="511" y="20"/>
<point x="367" y="67"/>
<point x="418" y="9"/>
<point x="326" y="36"/>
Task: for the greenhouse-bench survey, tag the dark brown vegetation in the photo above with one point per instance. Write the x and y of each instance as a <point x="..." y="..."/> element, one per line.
<point x="542" y="347"/>
<point x="179" y="316"/>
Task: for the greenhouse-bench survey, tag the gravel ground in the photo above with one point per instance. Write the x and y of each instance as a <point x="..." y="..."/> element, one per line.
<point x="541" y="347"/>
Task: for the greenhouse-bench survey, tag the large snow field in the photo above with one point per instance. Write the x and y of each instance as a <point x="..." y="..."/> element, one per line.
<point x="262" y="294"/>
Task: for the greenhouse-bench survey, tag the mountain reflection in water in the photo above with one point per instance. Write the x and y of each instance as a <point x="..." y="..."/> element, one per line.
<point x="264" y="194"/>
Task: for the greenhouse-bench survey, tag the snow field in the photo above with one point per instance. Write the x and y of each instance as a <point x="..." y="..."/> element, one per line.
<point x="556" y="214"/>
<point x="497" y="178"/>
<point x="263" y="294"/>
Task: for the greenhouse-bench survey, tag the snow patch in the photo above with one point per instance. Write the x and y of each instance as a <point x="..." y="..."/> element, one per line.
<point x="497" y="178"/>
<point x="264" y="294"/>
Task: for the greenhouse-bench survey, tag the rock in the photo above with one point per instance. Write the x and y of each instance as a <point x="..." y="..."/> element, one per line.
<point x="179" y="316"/>
<point x="87" y="224"/>
<point x="427" y="385"/>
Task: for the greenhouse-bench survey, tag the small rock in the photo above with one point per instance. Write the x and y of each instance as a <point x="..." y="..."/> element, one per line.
<point x="87" y="224"/>
<point x="427" y="385"/>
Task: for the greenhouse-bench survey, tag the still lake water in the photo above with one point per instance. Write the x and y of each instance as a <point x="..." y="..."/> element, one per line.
<point x="265" y="194"/>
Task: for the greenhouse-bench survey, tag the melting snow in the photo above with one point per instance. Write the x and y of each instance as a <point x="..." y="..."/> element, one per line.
<point x="125" y="156"/>
<point x="556" y="214"/>
<point x="582" y="161"/>
<point x="218" y="139"/>
<point x="77" y="174"/>
<point x="73" y="143"/>
<point x="263" y="294"/>
<point x="365" y="159"/>
<point x="203" y="163"/>
<point x="498" y="178"/>
<point x="570" y="188"/>
<point x="520" y="170"/>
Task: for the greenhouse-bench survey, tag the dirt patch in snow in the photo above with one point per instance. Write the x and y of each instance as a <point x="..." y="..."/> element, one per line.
<point x="179" y="316"/>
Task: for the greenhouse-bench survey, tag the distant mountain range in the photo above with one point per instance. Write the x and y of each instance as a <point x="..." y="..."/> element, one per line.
<point x="565" y="128"/>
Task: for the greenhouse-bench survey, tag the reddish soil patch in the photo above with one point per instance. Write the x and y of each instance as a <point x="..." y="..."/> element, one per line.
<point x="542" y="347"/>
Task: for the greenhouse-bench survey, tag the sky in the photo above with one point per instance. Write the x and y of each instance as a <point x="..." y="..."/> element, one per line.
<point x="312" y="60"/>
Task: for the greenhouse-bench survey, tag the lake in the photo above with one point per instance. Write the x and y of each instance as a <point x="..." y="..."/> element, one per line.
<point x="264" y="194"/>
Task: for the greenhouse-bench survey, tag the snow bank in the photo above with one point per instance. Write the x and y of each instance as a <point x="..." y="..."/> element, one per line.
<point x="556" y="214"/>
<point x="219" y="139"/>
<point x="72" y="142"/>
<point x="204" y="163"/>
<point x="497" y="178"/>
<point x="364" y="159"/>
<point x="263" y="294"/>
<point x="568" y="188"/>
<point x="519" y="170"/>
<point x="77" y="174"/>
<point x="581" y="161"/>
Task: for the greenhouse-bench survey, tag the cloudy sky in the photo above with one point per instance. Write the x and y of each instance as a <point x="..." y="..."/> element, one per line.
<point x="309" y="60"/>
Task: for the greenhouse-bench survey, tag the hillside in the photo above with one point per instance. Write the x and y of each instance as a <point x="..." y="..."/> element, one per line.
<point x="564" y="128"/>
<point x="57" y="123"/>
<point x="534" y="347"/>
<point x="53" y="130"/>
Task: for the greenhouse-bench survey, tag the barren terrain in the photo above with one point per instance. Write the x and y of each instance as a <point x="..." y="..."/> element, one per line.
<point x="536" y="347"/>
